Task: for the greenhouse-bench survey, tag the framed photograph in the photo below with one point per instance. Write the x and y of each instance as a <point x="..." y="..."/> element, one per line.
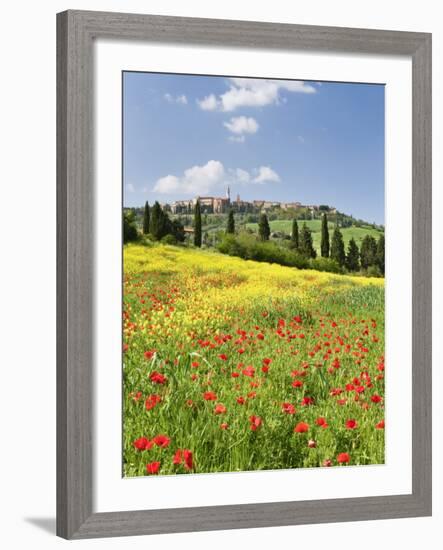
<point x="244" y="274"/>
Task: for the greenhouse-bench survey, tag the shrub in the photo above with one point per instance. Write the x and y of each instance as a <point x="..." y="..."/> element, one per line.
<point x="169" y="239"/>
<point x="326" y="264"/>
<point x="373" y="271"/>
<point x="130" y="232"/>
<point x="249" y="248"/>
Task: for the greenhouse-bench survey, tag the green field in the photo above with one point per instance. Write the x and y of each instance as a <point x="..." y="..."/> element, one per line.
<point x="234" y="365"/>
<point x="358" y="233"/>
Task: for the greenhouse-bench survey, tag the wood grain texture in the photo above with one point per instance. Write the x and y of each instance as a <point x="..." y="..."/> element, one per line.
<point x="422" y="272"/>
<point x="74" y="278"/>
<point x="76" y="31"/>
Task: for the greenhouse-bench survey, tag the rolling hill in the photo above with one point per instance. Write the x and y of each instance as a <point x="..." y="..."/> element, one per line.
<point x="358" y="233"/>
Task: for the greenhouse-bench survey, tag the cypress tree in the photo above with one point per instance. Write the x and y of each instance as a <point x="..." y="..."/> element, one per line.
<point x="306" y="247"/>
<point x="156" y="222"/>
<point x="368" y="252"/>
<point x="324" y="237"/>
<point x="353" y="256"/>
<point x="264" y="231"/>
<point x="197" y="225"/>
<point x="295" y="241"/>
<point x="146" y="217"/>
<point x="230" y="228"/>
<point x="177" y="230"/>
<point x="381" y="253"/>
<point x="338" y="247"/>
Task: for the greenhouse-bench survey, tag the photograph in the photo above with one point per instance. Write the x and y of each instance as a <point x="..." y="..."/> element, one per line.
<point x="253" y="274"/>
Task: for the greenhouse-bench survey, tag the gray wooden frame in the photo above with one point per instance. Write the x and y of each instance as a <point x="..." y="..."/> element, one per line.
<point x="76" y="31"/>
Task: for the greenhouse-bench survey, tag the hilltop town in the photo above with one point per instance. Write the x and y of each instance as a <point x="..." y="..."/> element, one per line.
<point x="222" y="205"/>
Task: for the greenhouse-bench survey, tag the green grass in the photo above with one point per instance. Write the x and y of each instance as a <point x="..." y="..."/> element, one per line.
<point x="358" y="233"/>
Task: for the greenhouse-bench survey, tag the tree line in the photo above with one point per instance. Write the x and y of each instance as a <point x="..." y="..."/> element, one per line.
<point x="156" y="223"/>
<point x="371" y="254"/>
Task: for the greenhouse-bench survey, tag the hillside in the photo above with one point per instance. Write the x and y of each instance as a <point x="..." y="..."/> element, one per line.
<point x="358" y="233"/>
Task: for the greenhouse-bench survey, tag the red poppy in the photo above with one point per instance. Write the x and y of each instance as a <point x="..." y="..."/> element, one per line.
<point x="235" y="374"/>
<point x="312" y="444"/>
<point x="142" y="444"/>
<point x="376" y="398"/>
<point x="219" y="408"/>
<point x="150" y="354"/>
<point x="248" y="371"/>
<point x="297" y="384"/>
<point x="136" y="396"/>
<point x="301" y="427"/>
<point x="321" y="422"/>
<point x="195" y="364"/>
<point x="183" y="456"/>
<point x="255" y="421"/>
<point x="380" y="425"/>
<point x="267" y="361"/>
<point x="178" y="457"/>
<point x="209" y="396"/>
<point x="241" y="400"/>
<point x="162" y="441"/>
<point x="306" y="401"/>
<point x="157" y="377"/>
<point x="288" y="408"/>
<point x="224" y="426"/>
<point x="351" y="424"/>
<point x="153" y="468"/>
<point x="327" y="462"/>
<point x="188" y="459"/>
<point x="223" y="357"/>
<point x="343" y="458"/>
<point x="260" y="336"/>
<point x="151" y="401"/>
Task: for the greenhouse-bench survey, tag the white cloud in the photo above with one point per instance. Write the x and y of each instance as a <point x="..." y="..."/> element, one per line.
<point x="242" y="176"/>
<point x="209" y="103"/>
<point x="181" y="99"/>
<point x="129" y="187"/>
<point x="210" y="177"/>
<point x="266" y="175"/>
<point x="261" y="175"/>
<point x="242" y="125"/>
<point x="197" y="180"/>
<point x="250" y="92"/>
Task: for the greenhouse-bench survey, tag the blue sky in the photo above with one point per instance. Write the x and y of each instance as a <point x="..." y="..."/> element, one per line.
<point x="285" y="140"/>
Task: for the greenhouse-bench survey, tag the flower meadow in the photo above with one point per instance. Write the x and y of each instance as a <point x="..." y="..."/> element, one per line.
<point x="233" y="365"/>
